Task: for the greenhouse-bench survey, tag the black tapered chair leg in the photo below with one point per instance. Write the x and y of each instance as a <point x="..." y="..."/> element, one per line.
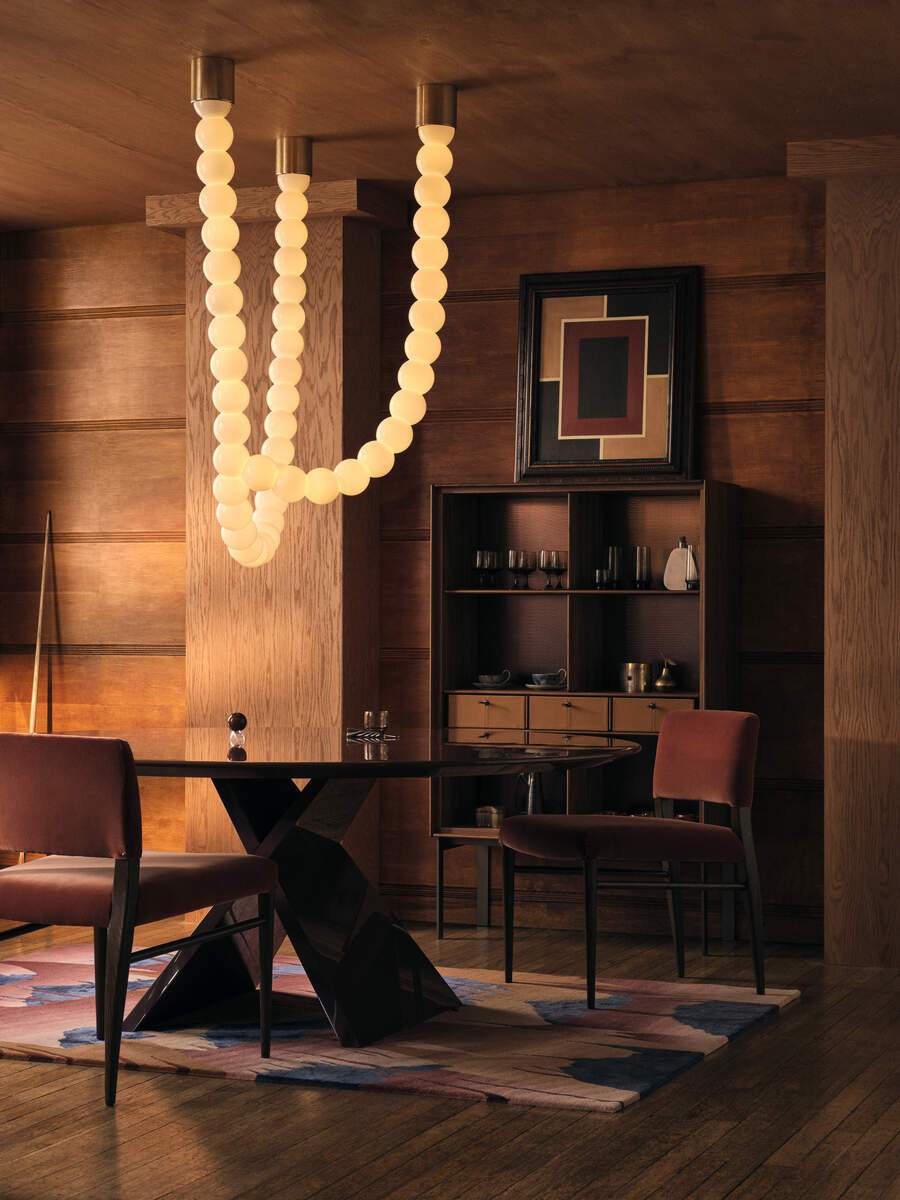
<point x="439" y="894"/>
<point x="120" y="940"/>
<point x="704" y="912"/>
<point x="509" y="903"/>
<point x="677" y="912"/>
<point x="590" y="929"/>
<point x="266" y="954"/>
<point x="99" y="980"/>
<point x="754" y="901"/>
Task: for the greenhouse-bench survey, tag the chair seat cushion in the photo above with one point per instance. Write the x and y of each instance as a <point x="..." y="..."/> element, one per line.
<point x="78" y="891"/>
<point x="608" y="837"/>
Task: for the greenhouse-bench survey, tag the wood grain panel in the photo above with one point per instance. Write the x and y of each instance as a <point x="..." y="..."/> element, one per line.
<point x="93" y="479"/>
<point x="776" y="458"/>
<point x="84" y="369"/>
<point x="102" y="691"/>
<point x="92" y="351"/>
<point x="102" y="593"/>
<point x="862" y="575"/>
<point x="405" y="607"/>
<point x="783" y="597"/>
<point x="787" y="696"/>
<point x="94" y="267"/>
<point x="733" y="227"/>
<point x="277" y="642"/>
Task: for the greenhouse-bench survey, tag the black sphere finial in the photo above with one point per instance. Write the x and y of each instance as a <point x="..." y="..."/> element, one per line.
<point x="236" y="721"/>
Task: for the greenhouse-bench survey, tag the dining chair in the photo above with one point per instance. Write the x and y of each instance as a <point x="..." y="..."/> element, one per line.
<point x="705" y="756"/>
<point x="76" y="799"/>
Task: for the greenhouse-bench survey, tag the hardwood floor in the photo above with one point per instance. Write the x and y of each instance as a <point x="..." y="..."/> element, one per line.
<point x="806" y="1107"/>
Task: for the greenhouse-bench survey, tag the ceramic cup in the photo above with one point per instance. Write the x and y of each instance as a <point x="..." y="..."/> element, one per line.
<point x="496" y="680"/>
<point x="553" y="679"/>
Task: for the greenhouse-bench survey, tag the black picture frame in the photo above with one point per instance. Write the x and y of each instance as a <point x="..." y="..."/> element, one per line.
<point x="667" y="301"/>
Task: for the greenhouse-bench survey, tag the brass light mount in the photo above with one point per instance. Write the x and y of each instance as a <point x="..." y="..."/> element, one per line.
<point x="212" y="78"/>
<point x="436" y="104"/>
<point x="293" y="155"/>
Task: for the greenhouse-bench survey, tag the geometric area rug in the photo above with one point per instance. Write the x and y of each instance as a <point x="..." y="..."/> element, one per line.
<point x="532" y="1042"/>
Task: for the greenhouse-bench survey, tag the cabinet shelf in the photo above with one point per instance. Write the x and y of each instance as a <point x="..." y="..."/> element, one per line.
<point x="568" y="592"/>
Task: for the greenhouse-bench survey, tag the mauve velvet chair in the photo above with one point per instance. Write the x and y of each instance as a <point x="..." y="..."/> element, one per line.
<point x="77" y="800"/>
<point x="707" y="756"/>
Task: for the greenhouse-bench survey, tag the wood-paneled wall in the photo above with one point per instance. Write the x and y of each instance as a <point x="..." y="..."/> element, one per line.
<point x="92" y="427"/>
<point x="760" y="425"/>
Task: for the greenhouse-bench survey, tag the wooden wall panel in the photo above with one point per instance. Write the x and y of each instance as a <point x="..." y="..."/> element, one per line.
<point x="100" y="480"/>
<point x="103" y="592"/>
<point x="67" y="370"/>
<point x="294" y="642"/>
<point x="92" y="427"/>
<point x="760" y="424"/>
<point x="104" y="267"/>
<point x="862" y="574"/>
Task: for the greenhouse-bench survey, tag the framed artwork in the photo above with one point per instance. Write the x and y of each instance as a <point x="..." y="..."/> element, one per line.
<point x="607" y="364"/>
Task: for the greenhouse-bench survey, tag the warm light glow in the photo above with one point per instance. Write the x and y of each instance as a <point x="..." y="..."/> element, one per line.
<point x="397" y="435"/>
<point x="352" y="477"/>
<point x="252" y="531"/>
<point x="321" y="486"/>
<point x="408" y="406"/>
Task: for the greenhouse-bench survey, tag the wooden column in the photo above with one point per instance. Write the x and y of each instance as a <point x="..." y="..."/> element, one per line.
<point x="862" y="546"/>
<point x="296" y="641"/>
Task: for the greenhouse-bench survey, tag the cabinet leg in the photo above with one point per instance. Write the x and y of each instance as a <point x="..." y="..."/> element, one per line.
<point x="483" y="894"/>
<point x="439" y="891"/>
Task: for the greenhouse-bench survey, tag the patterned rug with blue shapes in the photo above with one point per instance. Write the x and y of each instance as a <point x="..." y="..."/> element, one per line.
<point x="529" y="1042"/>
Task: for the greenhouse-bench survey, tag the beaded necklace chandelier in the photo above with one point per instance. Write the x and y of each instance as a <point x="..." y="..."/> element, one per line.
<point x="252" y="530"/>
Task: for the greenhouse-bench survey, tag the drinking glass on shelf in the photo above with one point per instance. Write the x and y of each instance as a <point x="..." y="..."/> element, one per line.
<point x="641" y="566"/>
<point x="521" y="564"/>
<point x="612" y="567"/>
<point x="487" y="564"/>
<point x="553" y="564"/>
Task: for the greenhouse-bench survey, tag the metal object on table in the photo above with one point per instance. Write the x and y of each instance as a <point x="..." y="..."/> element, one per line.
<point x="635" y="677"/>
<point x="488" y="816"/>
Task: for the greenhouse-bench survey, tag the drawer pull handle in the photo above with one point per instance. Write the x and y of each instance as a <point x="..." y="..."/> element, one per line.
<point x="651" y="705"/>
<point x="567" y="737"/>
<point x="484" y="702"/>
<point x="567" y="703"/>
<point x="486" y="734"/>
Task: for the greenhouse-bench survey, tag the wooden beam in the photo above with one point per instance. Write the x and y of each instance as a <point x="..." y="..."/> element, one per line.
<point x="844" y="156"/>
<point x="335" y="198"/>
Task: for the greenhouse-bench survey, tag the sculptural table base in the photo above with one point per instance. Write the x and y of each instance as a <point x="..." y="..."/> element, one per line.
<point x="369" y="975"/>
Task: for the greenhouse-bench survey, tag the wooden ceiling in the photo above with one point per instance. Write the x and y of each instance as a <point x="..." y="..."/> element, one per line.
<point x="555" y="94"/>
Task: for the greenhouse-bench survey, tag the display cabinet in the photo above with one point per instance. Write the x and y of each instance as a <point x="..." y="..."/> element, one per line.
<point x="487" y="623"/>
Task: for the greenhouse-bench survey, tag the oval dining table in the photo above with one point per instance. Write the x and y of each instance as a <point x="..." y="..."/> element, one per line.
<point x="291" y="795"/>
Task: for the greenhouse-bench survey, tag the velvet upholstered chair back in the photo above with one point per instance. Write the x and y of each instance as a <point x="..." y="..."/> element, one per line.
<point x="69" y="795"/>
<point x="706" y="755"/>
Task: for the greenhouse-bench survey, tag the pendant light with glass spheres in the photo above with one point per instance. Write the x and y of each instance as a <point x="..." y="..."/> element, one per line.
<point x="252" y="531"/>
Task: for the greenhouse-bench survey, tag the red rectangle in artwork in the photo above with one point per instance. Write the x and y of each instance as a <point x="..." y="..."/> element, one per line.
<point x="571" y="424"/>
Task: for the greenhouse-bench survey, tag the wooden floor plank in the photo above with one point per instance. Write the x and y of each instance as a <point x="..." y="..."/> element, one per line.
<point x="802" y="1107"/>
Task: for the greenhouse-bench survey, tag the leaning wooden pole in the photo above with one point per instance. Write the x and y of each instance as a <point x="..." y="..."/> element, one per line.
<point x="40" y="622"/>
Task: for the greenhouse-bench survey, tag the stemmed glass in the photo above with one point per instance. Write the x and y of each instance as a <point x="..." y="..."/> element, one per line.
<point x="521" y="564"/>
<point x="487" y="564"/>
<point x="553" y="563"/>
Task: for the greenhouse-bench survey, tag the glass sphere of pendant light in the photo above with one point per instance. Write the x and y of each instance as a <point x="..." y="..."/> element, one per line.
<point x="253" y="489"/>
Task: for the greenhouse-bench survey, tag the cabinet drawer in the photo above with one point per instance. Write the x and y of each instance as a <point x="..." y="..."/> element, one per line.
<point x="486" y="712"/>
<point x="568" y="712"/>
<point x="499" y="737"/>
<point x="644" y="714"/>
<point x="553" y="737"/>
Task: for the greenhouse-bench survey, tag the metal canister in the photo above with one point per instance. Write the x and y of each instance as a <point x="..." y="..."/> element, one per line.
<point x="635" y="676"/>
